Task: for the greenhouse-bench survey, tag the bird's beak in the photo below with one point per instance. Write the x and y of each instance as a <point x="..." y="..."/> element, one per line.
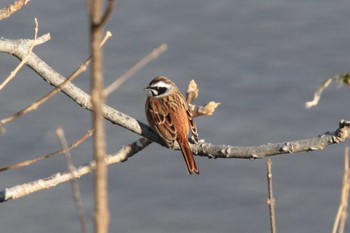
<point x="149" y="91"/>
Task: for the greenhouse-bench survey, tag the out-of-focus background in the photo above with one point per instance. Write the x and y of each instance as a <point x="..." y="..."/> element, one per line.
<point x="261" y="59"/>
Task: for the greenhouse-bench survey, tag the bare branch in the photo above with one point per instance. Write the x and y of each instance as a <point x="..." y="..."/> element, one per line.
<point x="242" y="152"/>
<point x="19" y="48"/>
<point x="129" y="150"/>
<point x="75" y="185"/>
<point x="24" y="60"/>
<point x="339" y="222"/>
<point x="108" y="12"/>
<point x="9" y="10"/>
<point x="345" y="192"/>
<point x="101" y="216"/>
<point x="271" y="199"/>
<point x="135" y="68"/>
<point x="56" y="179"/>
<point x="339" y="79"/>
<point x="203" y="149"/>
<point x="258" y="152"/>
<point x="47" y="156"/>
<point x="79" y="96"/>
<point x="57" y="89"/>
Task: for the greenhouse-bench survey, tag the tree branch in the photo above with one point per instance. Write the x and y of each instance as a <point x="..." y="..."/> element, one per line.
<point x="74" y="183"/>
<point x="339" y="79"/>
<point x="50" y="155"/>
<point x="9" y="10"/>
<point x="19" y="47"/>
<point x="258" y="152"/>
<point x="225" y="152"/>
<point x="135" y="68"/>
<point x="271" y="200"/>
<point x="340" y="219"/>
<point x="101" y="216"/>
<point x="57" y="89"/>
<point x="20" y="65"/>
<point x="22" y="190"/>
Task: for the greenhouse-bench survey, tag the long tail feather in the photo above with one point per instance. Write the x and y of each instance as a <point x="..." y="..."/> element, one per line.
<point x="189" y="158"/>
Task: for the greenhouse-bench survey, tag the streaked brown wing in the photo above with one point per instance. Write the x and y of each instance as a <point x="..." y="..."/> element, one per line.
<point x="193" y="126"/>
<point x="159" y="119"/>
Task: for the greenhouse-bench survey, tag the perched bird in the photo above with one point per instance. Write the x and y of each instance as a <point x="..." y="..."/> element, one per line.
<point x="169" y="115"/>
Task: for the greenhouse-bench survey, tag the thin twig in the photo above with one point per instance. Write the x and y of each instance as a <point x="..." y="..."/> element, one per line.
<point x="24" y="60"/>
<point x="22" y="190"/>
<point x="57" y="89"/>
<point x="75" y="185"/>
<point x="340" y="219"/>
<point x="9" y="10"/>
<point x="37" y="159"/>
<point x="106" y="15"/>
<point x="345" y="192"/>
<point x="339" y="79"/>
<point x="271" y="199"/>
<point x="108" y="12"/>
<point x="135" y="68"/>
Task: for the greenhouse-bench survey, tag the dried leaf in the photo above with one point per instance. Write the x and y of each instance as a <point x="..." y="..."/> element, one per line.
<point x="208" y="109"/>
<point x="191" y="92"/>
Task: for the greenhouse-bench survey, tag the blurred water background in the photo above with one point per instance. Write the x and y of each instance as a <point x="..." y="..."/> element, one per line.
<point x="261" y="59"/>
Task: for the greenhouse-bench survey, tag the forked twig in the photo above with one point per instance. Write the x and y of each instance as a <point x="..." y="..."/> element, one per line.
<point x="107" y="13"/>
<point x="54" y="91"/>
<point x="24" y="60"/>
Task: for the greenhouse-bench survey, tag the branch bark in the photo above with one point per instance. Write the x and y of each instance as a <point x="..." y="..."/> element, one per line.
<point x="271" y="200"/>
<point x="98" y="99"/>
<point x="258" y="152"/>
<point x="9" y="10"/>
<point x="22" y="190"/>
<point x="18" y="48"/>
<point x="74" y="183"/>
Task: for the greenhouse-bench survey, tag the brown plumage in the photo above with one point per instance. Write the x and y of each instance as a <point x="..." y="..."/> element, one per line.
<point x="168" y="115"/>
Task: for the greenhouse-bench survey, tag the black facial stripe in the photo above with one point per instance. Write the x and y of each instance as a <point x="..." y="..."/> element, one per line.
<point x="158" y="90"/>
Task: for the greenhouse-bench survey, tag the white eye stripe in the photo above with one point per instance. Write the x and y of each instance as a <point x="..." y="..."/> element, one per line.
<point x="160" y="89"/>
<point x="161" y="84"/>
<point x="154" y="92"/>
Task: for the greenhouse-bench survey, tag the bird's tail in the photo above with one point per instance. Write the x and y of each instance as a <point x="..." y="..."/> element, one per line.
<point x="188" y="156"/>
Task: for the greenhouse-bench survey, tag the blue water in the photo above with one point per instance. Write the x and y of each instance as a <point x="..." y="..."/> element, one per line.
<point x="261" y="59"/>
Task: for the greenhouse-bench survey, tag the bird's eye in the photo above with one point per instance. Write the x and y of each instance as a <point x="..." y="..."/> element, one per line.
<point x="161" y="90"/>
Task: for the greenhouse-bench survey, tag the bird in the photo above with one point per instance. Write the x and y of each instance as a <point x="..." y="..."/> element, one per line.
<point x="169" y="115"/>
